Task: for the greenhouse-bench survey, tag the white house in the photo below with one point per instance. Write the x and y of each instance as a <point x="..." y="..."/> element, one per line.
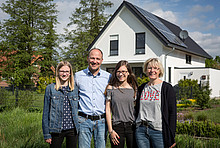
<point x="134" y="34"/>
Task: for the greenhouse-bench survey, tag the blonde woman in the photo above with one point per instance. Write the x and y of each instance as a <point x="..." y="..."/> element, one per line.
<point x="60" y="113"/>
<point x="156" y="109"/>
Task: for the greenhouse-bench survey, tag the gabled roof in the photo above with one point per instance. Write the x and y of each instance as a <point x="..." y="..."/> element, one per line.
<point x="166" y="32"/>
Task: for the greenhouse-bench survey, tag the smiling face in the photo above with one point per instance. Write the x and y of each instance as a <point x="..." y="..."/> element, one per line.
<point x="122" y="74"/>
<point x="64" y="73"/>
<point x="94" y="60"/>
<point x="153" y="71"/>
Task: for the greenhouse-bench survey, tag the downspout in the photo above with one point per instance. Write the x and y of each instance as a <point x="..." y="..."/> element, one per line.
<point x="165" y="59"/>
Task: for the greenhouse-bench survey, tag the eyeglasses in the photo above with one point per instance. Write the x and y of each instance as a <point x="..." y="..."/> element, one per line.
<point x="123" y="72"/>
<point x="62" y="72"/>
<point x="153" y="68"/>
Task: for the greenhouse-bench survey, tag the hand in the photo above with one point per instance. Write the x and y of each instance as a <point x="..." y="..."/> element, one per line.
<point x="173" y="145"/>
<point x="48" y="141"/>
<point x="114" y="137"/>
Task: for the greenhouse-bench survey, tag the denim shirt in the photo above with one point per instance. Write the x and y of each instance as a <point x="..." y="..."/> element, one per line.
<point x="53" y="110"/>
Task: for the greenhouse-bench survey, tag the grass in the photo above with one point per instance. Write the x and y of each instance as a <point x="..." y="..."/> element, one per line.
<point x="20" y="128"/>
<point x="39" y="100"/>
<point x="186" y="141"/>
<point x="212" y="114"/>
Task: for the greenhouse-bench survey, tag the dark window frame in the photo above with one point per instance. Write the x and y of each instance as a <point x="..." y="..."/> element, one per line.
<point x="140" y="43"/>
<point x="114" y="46"/>
<point x="188" y="59"/>
<point x="169" y="74"/>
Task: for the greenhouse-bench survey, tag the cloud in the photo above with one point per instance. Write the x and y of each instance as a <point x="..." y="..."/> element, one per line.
<point x="65" y="8"/>
<point x="167" y="15"/>
<point x="2" y="14"/>
<point x="197" y="24"/>
<point x="210" y="43"/>
<point x="197" y="9"/>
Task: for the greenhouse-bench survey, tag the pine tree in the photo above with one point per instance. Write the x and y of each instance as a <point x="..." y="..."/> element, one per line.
<point x="28" y="32"/>
<point x="88" y="20"/>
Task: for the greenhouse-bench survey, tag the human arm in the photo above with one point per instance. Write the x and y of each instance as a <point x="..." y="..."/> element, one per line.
<point x="114" y="136"/>
<point x="46" y="110"/>
<point x="173" y="145"/>
<point x="112" y="133"/>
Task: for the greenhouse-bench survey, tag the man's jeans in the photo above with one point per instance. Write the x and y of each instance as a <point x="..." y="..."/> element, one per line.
<point x="147" y="137"/>
<point x="97" y="128"/>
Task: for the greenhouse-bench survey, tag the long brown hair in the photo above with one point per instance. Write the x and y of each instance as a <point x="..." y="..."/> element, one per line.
<point x="71" y="79"/>
<point x="131" y="79"/>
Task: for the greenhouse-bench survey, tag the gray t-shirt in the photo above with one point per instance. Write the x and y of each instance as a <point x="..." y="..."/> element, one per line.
<point x="122" y="104"/>
<point x="150" y="106"/>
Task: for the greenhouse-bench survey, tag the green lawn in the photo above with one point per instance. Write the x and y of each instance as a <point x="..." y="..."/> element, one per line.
<point x="212" y="114"/>
<point x="19" y="128"/>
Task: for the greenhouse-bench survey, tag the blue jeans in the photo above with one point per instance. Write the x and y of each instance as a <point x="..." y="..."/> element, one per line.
<point x="147" y="137"/>
<point x="97" y="128"/>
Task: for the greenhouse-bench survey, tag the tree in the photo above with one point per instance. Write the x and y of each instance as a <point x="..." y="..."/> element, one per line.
<point x="28" y="31"/>
<point x="213" y="63"/>
<point x="203" y="96"/>
<point x="88" y="20"/>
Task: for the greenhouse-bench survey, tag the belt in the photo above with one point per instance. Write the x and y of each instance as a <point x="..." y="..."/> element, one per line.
<point x="98" y="117"/>
<point x="145" y="123"/>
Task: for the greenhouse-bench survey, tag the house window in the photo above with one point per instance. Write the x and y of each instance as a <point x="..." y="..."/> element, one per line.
<point x="113" y="45"/>
<point x="140" y="43"/>
<point x="169" y="74"/>
<point x="188" y="59"/>
<point x="137" y="71"/>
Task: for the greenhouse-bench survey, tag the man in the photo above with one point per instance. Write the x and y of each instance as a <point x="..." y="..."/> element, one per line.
<point x="92" y="83"/>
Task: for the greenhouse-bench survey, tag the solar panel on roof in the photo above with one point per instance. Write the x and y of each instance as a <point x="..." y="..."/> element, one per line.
<point x="161" y="27"/>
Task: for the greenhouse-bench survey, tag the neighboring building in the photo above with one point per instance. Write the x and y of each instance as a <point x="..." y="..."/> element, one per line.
<point x="134" y="34"/>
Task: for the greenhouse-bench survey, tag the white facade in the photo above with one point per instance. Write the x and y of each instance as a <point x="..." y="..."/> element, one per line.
<point x="124" y="27"/>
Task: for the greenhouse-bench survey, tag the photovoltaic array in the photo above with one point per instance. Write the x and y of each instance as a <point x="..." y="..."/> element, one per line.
<point x="172" y="38"/>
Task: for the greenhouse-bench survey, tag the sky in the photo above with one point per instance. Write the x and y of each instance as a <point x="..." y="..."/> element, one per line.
<point x="201" y="18"/>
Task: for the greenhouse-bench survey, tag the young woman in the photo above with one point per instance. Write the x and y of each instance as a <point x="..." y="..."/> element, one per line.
<point x="60" y="113"/>
<point x="120" y="97"/>
<point x="156" y="109"/>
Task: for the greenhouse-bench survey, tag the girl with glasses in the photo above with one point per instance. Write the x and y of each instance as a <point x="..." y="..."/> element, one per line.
<point x="60" y="113"/>
<point x="120" y="100"/>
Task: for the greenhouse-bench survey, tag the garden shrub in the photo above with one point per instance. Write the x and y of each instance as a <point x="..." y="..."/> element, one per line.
<point x="190" y="89"/>
<point x="142" y="80"/>
<point x="214" y="101"/>
<point x="199" y="128"/>
<point x="187" y="88"/>
<point x="189" y="116"/>
<point x="43" y="82"/>
<point x="186" y="102"/>
<point x="202" y="117"/>
<point x="203" y="96"/>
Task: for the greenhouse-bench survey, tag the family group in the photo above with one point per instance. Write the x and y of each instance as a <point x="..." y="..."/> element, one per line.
<point x="95" y="103"/>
